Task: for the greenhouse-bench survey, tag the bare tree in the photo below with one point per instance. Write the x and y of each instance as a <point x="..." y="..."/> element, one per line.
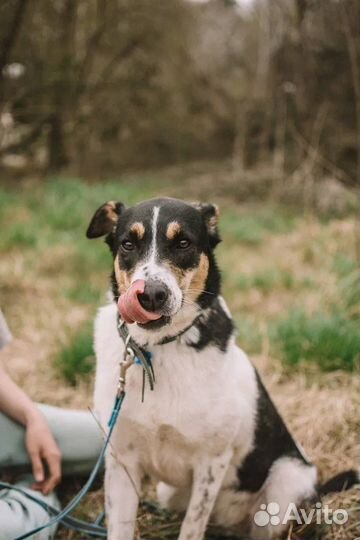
<point x="116" y="83"/>
<point x="8" y="41"/>
<point x="351" y="13"/>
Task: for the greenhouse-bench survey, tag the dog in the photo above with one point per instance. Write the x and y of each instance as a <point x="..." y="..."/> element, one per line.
<point x="209" y="433"/>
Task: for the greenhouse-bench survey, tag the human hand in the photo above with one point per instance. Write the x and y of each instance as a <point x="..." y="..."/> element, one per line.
<point x="42" y="448"/>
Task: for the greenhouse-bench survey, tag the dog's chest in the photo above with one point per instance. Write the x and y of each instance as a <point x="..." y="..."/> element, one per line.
<point x="192" y="397"/>
<point x="192" y="411"/>
<point x="201" y="403"/>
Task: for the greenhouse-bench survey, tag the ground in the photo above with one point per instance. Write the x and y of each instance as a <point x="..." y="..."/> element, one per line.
<point x="290" y="278"/>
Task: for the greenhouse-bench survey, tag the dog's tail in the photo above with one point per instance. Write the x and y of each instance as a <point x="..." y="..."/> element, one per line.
<point x="341" y="482"/>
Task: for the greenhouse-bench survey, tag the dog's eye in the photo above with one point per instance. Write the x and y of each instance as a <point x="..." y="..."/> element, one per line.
<point x="184" y="243"/>
<point x="127" y="245"/>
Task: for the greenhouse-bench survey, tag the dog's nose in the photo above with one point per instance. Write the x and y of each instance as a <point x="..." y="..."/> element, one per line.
<point x="154" y="296"/>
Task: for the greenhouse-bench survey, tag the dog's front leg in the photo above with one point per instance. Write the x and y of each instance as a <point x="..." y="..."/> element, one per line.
<point x="122" y="488"/>
<point x="207" y="479"/>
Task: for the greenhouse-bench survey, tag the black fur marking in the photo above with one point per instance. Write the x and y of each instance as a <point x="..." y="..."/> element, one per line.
<point x="340" y="482"/>
<point x="102" y="223"/>
<point x="174" y="337"/>
<point x="193" y="226"/>
<point x="215" y="329"/>
<point x="198" y="225"/>
<point x="272" y="441"/>
<point x="114" y="286"/>
<point x="155" y="325"/>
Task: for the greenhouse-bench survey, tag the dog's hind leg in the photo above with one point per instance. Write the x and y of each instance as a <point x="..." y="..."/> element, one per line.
<point x="291" y="482"/>
<point x="208" y="476"/>
<point x="122" y="486"/>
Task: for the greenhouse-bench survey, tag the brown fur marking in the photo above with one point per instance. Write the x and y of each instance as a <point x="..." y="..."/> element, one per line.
<point x="122" y="277"/>
<point x="180" y="275"/>
<point x="111" y="211"/>
<point x="139" y="229"/>
<point x="172" y="230"/>
<point x="197" y="283"/>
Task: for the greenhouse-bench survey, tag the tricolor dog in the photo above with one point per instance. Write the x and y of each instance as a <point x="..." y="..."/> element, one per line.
<point x="209" y="433"/>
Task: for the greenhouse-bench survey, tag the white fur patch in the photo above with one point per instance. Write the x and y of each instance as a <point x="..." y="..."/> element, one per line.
<point x="153" y="248"/>
<point x="289" y="481"/>
<point x="151" y="268"/>
<point x="192" y="432"/>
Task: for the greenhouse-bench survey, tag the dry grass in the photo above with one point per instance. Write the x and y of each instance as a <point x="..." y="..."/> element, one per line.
<point x="322" y="410"/>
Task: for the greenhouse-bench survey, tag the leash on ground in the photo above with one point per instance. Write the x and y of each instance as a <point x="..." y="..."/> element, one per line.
<point x="132" y="354"/>
<point x="69" y="522"/>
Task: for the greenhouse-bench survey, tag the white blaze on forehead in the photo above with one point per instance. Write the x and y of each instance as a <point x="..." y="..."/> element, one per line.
<point x="154" y="224"/>
<point x="152" y="268"/>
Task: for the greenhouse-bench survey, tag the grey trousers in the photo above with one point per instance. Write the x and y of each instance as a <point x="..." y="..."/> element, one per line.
<point x="80" y="441"/>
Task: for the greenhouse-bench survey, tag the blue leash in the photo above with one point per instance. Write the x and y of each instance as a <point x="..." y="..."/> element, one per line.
<point x="69" y="522"/>
<point x="136" y="355"/>
<point x="63" y="516"/>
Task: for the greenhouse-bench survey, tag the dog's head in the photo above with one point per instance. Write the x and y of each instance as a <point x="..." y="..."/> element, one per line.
<point x="163" y="257"/>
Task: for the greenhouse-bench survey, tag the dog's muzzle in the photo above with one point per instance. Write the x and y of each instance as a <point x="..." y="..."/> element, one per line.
<point x="144" y="302"/>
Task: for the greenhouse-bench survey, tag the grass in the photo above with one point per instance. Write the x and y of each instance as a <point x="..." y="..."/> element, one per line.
<point x="252" y="226"/>
<point x="343" y="265"/>
<point x="46" y="228"/>
<point x="60" y="210"/>
<point x="75" y="359"/>
<point x="292" y="284"/>
<point x="349" y="288"/>
<point x="268" y="280"/>
<point x="328" y="339"/>
<point x="18" y="235"/>
<point x="249" y="333"/>
<point x="84" y="293"/>
<point x="330" y="342"/>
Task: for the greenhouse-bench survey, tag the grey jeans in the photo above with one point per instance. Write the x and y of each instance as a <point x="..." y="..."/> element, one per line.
<point x="79" y="439"/>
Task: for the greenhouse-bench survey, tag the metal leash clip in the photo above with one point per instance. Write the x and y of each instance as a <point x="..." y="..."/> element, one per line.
<point x="127" y="361"/>
<point x="137" y="354"/>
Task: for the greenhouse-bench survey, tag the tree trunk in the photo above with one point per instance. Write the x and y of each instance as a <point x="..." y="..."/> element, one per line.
<point x="57" y="158"/>
<point x="353" y="46"/>
<point x="62" y="89"/>
<point x="8" y="42"/>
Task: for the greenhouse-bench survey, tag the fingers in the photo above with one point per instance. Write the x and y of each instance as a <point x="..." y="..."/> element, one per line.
<point x="37" y="466"/>
<point x="53" y="460"/>
<point x="43" y="451"/>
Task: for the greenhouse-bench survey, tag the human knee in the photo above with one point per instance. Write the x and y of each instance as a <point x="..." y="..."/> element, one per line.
<point x="10" y="530"/>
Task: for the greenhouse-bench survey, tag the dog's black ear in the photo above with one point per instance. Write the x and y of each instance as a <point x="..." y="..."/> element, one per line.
<point x="105" y="219"/>
<point x="210" y="214"/>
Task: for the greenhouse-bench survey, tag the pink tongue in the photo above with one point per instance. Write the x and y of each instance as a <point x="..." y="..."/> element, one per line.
<point x="130" y="308"/>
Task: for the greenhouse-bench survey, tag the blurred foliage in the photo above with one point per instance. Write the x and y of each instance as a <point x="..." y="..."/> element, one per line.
<point x="267" y="280"/>
<point x="292" y="283"/>
<point x="252" y="228"/>
<point x="75" y="359"/>
<point x="107" y="84"/>
<point x="59" y="212"/>
<point x="329" y="341"/>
